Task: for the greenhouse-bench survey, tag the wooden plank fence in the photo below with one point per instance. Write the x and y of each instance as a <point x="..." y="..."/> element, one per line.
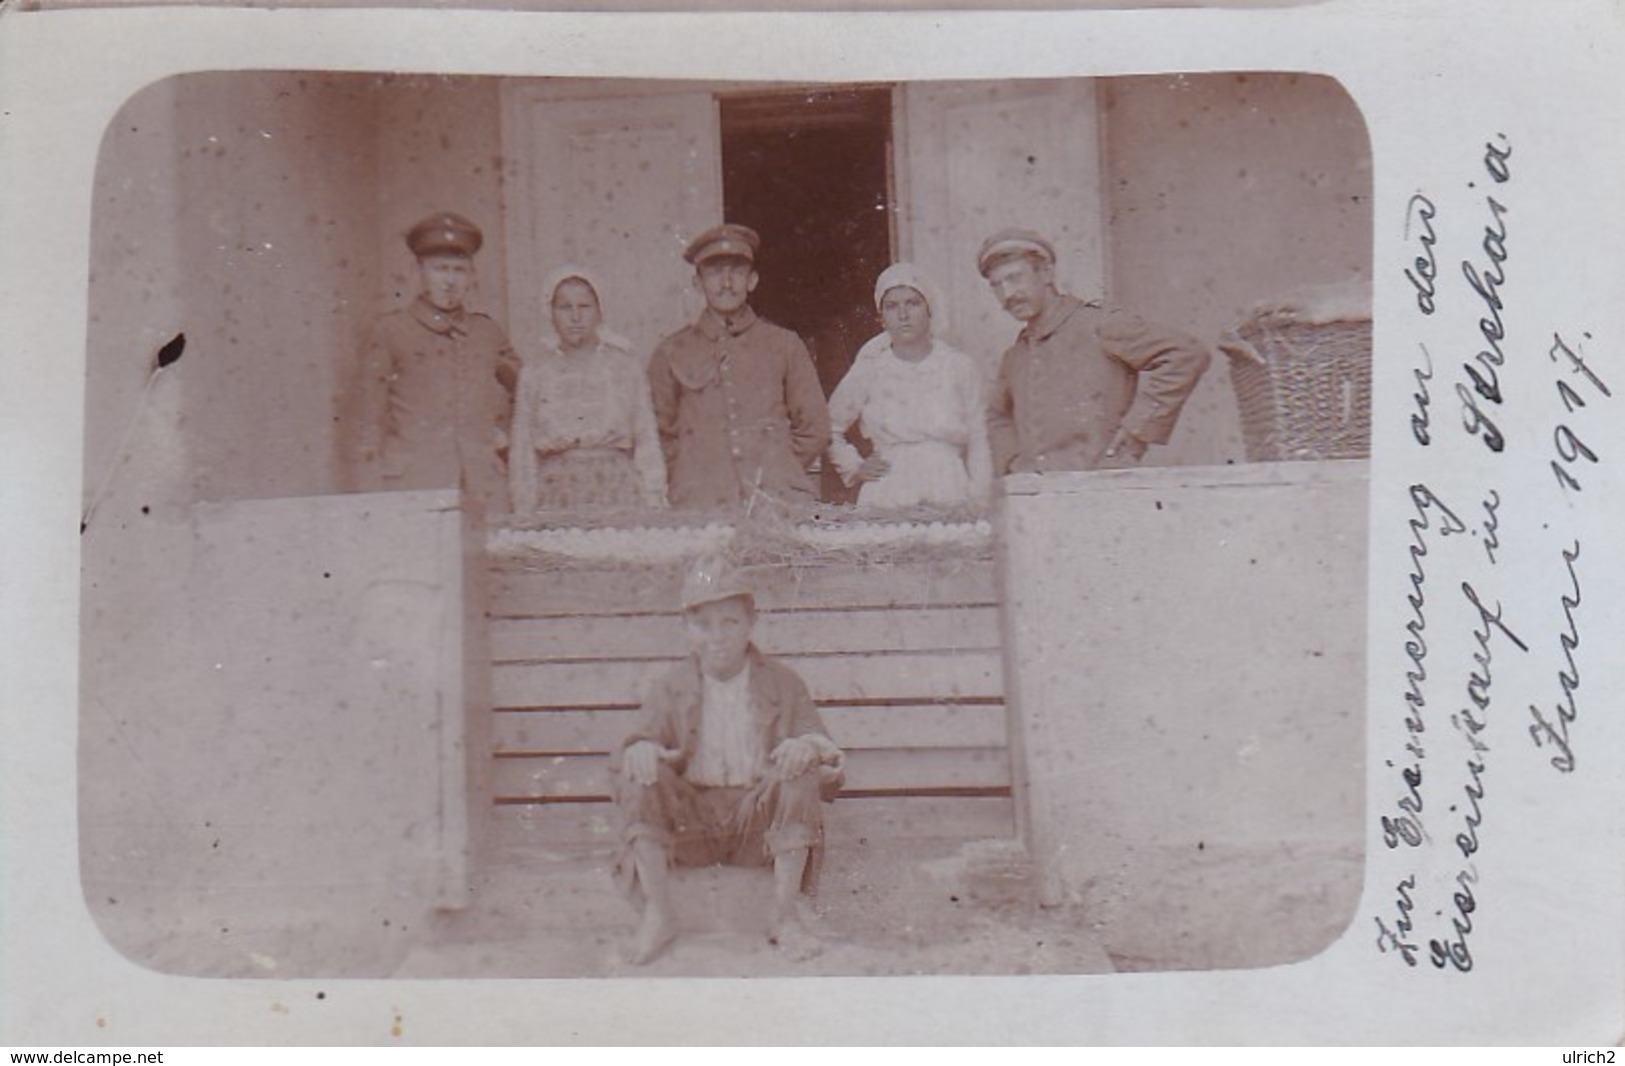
<point x="903" y="660"/>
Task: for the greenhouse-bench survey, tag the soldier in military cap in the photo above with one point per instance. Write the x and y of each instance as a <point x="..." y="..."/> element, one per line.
<point x="737" y="399"/>
<point x="731" y="764"/>
<point x="438" y="379"/>
<point x="1081" y="387"/>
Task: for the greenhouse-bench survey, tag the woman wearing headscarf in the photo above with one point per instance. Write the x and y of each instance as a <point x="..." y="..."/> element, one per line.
<point x="583" y="427"/>
<point x="918" y="400"/>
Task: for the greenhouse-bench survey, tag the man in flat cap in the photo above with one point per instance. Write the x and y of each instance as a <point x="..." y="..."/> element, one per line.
<point x="1081" y="387"/>
<point x="736" y="398"/>
<point x="438" y="379"/>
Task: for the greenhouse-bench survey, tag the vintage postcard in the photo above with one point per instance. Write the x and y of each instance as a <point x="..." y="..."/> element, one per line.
<point x="1083" y="526"/>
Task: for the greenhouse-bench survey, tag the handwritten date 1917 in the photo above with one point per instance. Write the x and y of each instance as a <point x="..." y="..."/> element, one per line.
<point x="1570" y="448"/>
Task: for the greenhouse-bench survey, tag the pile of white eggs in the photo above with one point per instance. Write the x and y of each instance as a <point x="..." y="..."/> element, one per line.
<point x="872" y="534"/>
<point x="635" y="544"/>
<point x="661" y="544"/>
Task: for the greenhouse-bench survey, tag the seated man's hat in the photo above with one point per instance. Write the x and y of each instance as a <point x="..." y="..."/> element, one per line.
<point x="727" y="239"/>
<point x="444" y="233"/>
<point x="1011" y="242"/>
<point x="712" y="578"/>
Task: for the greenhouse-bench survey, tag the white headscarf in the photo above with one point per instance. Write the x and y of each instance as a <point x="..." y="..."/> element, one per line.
<point x="905" y="275"/>
<point x="550" y="288"/>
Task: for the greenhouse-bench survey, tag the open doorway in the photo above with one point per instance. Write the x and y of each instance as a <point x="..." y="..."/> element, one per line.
<point x="810" y="171"/>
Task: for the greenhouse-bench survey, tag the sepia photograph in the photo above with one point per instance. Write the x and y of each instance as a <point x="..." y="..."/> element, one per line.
<point x="584" y="527"/>
<point x="809" y="527"/>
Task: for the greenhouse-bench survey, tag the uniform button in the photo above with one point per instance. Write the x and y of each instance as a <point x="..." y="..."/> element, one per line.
<point x="737" y="453"/>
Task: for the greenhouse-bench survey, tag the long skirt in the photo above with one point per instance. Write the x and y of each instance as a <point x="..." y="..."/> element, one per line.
<point x="600" y="477"/>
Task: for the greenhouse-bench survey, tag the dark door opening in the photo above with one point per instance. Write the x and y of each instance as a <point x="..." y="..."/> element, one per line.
<point x="810" y="171"/>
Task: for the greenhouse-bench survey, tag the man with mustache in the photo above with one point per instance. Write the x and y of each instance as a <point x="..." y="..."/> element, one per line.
<point x="736" y="398"/>
<point x="1081" y="387"/>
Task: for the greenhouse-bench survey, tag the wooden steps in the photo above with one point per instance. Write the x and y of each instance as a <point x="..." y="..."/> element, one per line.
<point x="546" y="733"/>
<point x="543" y="593"/>
<point x="845" y="678"/>
<point x="903" y="660"/>
<point x="522" y="831"/>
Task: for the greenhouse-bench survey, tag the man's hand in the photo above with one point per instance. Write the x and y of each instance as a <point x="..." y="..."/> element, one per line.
<point x="1126" y="444"/>
<point x="641" y="762"/>
<point x="796" y="755"/>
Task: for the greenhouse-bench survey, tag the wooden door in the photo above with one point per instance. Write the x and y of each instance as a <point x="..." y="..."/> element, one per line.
<point x="617" y="183"/>
<point x="976" y="157"/>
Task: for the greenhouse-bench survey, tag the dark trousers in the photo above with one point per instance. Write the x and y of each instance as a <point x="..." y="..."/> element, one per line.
<point x="735" y="826"/>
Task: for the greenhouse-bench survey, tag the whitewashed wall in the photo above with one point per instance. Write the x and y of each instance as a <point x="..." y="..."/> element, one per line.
<point x="1186" y="654"/>
<point x="284" y="789"/>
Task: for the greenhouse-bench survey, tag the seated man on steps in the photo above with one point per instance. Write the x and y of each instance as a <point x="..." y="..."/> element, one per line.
<point x="730" y="765"/>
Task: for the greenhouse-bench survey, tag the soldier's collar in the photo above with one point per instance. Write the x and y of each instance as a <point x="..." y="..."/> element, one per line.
<point x="1054" y="317"/>
<point x="714" y="325"/>
<point x="432" y="318"/>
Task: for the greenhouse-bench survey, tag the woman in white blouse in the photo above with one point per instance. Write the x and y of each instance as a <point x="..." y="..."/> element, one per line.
<point x="583" y="426"/>
<point x="918" y="400"/>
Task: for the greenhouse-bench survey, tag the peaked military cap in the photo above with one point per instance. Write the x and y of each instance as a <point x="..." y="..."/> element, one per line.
<point x="1011" y="242"/>
<point x="726" y="239"/>
<point x="444" y="233"/>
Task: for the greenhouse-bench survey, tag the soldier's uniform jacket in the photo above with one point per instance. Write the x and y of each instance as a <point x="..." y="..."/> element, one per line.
<point x="739" y="410"/>
<point x="1076" y="375"/>
<point x="435" y="402"/>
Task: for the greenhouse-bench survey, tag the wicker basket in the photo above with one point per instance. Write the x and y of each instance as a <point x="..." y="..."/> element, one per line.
<point x="1304" y="388"/>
